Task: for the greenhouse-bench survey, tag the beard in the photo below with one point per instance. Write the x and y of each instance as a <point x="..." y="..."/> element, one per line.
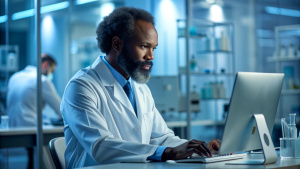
<point x="134" y="68"/>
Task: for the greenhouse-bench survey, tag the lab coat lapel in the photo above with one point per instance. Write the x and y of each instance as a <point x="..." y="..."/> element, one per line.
<point x="110" y="82"/>
<point x="122" y="97"/>
<point x="140" y="101"/>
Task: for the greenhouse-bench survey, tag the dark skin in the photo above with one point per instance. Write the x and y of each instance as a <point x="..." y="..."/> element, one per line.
<point x="140" y="47"/>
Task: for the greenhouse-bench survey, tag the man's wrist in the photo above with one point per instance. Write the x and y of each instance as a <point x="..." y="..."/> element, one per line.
<point x="166" y="154"/>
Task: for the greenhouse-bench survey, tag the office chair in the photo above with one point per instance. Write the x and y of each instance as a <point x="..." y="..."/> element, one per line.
<point x="57" y="148"/>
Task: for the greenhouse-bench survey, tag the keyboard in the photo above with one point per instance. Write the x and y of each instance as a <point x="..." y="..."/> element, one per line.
<point x="214" y="158"/>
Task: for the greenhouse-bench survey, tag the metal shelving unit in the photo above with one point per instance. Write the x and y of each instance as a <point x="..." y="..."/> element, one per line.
<point x="205" y="41"/>
<point x="290" y="65"/>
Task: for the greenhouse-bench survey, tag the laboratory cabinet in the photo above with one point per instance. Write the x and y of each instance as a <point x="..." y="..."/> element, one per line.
<point x="206" y="68"/>
<point x="286" y="59"/>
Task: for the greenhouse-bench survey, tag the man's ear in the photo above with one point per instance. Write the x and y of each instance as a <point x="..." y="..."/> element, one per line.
<point x="117" y="44"/>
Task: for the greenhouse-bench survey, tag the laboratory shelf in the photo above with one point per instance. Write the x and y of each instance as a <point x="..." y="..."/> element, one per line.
<point x="205" y="61"/>
<point x="173" y="124"/>
<point x="193" y="36"/>
<point x="282" y="59"/>
<point x="213" y="99"/>
<point x="290" y="92"/>
<point x="182" y="70"/>
<point x="212" y="74"/>
<point x="213" y="51"/>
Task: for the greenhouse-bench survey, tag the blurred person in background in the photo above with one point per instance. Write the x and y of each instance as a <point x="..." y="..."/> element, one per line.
<point x="22" y="96"/>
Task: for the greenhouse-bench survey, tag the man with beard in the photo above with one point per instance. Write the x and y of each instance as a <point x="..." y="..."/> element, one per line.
<point x="108" y="110"/>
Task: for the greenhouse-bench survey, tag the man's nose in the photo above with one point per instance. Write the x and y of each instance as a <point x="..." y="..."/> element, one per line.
<point x="149" y="55"/>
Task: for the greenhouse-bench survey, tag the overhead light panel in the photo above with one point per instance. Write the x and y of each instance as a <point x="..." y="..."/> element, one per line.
<point x="80" y="2"/>
<point x="106" y="9"/>
<point x="3" y="18"/>
<point x="55" y="7"/>
<point x="44" y="9"/>
<point x="282" y="11"/>
<point x="211" y="1"/>
<point x="22" y="14"/>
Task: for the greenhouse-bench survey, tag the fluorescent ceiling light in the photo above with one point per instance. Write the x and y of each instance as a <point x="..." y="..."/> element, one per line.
<point x="282" y="11"/>
<point x="106" y="9"/>
<point x="55" y="7"/>
<point x="3" y="19"/>
<point x="22" y="14"/>
<point x="80" y="2"/>
<point x="216" y="13"/>
<point x="44" y="9"/>
<point x="211" y="1"/>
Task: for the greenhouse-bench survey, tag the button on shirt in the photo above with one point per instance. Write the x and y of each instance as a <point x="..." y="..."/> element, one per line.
<point x="122" y="81"/>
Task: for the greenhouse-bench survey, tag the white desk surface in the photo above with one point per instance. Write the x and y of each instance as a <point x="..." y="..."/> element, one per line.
<point x="281" y="163"/>
<point x="26" y="136"/>
<point x="30" y="130"/>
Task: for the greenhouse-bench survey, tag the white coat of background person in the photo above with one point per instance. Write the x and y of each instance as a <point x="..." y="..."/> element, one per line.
<point x="101" y="125"/>
<point x="22" y="92"/>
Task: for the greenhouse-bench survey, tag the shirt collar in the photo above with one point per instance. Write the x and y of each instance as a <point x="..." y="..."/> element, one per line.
<point x="121" y="79"/>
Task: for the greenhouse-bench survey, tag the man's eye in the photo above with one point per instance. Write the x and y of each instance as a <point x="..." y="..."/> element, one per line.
<point x="143" y="46"/>
<point x="154" y="48"/>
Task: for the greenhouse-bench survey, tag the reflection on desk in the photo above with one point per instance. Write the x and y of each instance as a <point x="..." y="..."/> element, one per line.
<point x="281" y="163"/>
<point x="26" y="136"/>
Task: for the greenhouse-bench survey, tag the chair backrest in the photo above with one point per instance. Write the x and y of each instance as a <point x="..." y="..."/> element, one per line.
<point x="57" y="148"/>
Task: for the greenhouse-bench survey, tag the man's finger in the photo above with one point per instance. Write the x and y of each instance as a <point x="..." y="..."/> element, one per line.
<point x="194" y="145"/>
<point x="201" y="148"/>
<point x="204" y="145"/>
<point x="196" y="142"/>
<point x="198" y="152"/>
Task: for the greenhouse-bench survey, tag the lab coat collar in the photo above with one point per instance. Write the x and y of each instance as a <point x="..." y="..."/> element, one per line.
<point x="112" y="85"/>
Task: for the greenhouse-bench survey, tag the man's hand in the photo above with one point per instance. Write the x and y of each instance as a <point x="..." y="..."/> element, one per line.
<point x="187" y="149"/>
<point x="214" y="146"/>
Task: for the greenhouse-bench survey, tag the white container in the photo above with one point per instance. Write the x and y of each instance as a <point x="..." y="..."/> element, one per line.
<point x="222" y="90"/>
<point x="283" y="52"/>
<point x="4" y="122"/>
<point x="291" y="51"/>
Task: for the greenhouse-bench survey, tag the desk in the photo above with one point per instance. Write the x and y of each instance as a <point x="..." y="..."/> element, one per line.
<point x="281" y="163"/>
<point x="26" y="136"/>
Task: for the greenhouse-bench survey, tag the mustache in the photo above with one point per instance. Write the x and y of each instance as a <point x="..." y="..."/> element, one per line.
<point x="141" y="63"/>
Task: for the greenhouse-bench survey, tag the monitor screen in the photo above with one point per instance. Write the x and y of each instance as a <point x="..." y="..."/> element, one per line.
<point x="253" y="93"/>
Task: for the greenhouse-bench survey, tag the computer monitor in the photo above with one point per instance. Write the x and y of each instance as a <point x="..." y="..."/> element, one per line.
<point x="251" y="115"/>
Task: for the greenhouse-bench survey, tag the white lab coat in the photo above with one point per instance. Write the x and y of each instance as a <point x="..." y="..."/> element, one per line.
<point x="101" y="126"/>
<point x="21" y="97"/>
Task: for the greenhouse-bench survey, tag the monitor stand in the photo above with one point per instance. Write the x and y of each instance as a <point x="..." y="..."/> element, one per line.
<point x="269" y="152"/>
